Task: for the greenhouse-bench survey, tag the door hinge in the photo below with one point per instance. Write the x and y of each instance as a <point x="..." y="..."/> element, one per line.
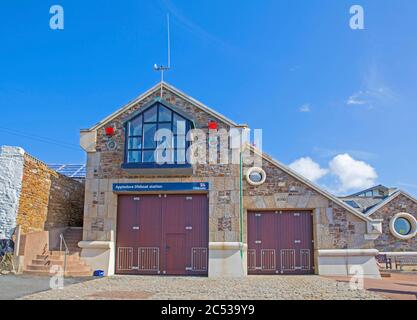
<point x="135" y="228"/>
<point x="189" y="228"/>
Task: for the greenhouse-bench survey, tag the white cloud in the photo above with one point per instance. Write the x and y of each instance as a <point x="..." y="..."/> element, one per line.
<point x="305" y="108"/>
<point x="351" y="173"/>
<point x="358" y="98"/>
<point x="308" y="168"/>
<point x="374" y="90"/>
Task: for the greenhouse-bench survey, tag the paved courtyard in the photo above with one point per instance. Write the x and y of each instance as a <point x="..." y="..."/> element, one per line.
<point x="256" y="288"/>
<point x="14" y="287"/>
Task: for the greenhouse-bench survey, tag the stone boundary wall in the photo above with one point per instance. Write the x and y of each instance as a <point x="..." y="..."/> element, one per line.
<point x="34" y="196"/>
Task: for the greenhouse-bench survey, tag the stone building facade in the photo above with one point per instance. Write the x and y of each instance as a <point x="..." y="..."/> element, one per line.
<point x="341" y="236"/>
<point x="387" y="242"/>
<point x="36" y="197"/>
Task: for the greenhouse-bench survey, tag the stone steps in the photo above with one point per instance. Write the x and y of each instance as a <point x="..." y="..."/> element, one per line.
<point x="73" y="274"/>
<point x="75" y="267"/>
<point x="50" y="262"/>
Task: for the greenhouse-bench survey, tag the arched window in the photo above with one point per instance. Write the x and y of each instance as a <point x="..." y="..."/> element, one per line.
<point x="157" y="136"/>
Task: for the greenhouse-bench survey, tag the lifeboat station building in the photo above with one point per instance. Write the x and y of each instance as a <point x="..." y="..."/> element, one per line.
<point x="192" y="209"/>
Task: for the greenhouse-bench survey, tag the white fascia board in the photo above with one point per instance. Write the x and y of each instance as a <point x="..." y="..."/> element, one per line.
<point x="389" y="199"/>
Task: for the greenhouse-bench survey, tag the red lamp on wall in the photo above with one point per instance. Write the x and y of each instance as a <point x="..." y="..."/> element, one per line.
<point x="213" y="125"/>
<point x="110" y="131"/>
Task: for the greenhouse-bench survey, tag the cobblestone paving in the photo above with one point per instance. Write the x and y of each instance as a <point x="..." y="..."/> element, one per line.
<point x="170" y="288"/>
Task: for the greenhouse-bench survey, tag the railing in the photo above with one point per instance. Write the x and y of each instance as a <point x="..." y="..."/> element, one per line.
<point x="62" y="244"/>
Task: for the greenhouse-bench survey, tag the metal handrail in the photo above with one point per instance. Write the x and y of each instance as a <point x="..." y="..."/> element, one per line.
<point x="63" y="242"/>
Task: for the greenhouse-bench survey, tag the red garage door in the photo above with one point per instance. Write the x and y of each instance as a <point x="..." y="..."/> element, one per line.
<point x="280" y="242"/>
<point x="162" y="234"/>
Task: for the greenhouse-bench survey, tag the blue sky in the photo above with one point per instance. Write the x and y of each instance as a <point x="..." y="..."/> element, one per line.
<point x="295" y="69"/>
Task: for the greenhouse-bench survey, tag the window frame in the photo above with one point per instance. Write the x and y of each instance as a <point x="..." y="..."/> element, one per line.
<point x="189" y="125"/>
<point x="411" y="219"/>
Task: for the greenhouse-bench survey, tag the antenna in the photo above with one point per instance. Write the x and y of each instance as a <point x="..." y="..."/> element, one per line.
<point x="162" y="68"/>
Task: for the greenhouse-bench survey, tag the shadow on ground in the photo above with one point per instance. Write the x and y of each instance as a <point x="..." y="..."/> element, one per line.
<point x="14" y="287"/>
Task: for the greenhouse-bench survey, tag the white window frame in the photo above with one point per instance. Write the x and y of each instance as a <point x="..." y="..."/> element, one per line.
<point x="411" y="219"/>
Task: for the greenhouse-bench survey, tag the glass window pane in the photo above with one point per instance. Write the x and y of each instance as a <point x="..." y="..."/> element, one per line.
<point x="149" y="131"/>
<point x="135" y="127"/>
<point x="134" y="157"/>
<point x="164" y="126"/>
<point x="135" y="143"/>
<point x="179" y="155"/>
<point x="255" y="177"/>
<point x="402" y="226"/>
<point x="164" y="156"/>
<point x="151" y="115"/>
<point x="179" y="125"/>
<point x="180" y="142"/>
<point x="149" y="156"/>
<point x="164" y="114"/>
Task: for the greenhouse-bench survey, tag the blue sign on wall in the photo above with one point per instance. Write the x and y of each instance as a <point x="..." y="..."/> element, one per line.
<point x="167" y="186"/>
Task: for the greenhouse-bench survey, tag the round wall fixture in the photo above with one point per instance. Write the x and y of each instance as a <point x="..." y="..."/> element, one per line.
<point x="403" y="226"/>
<point x="111" y="145"/>
<point x="255" y="176"/>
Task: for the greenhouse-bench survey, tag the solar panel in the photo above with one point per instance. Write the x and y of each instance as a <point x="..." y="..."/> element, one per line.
<point x="352" y="203"/>
<point x="77" y="171"/>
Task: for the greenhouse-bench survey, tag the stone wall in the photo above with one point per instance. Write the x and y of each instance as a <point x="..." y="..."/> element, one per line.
<point x="11" y="173"/>
<point x="110" y="161"/>
<point x="387" y="242"/>
<point x="66" y="202"/>
<point x="34" y="196"/>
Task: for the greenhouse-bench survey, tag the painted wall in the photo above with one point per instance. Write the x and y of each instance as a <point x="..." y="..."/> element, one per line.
<point x="11" y="174"/>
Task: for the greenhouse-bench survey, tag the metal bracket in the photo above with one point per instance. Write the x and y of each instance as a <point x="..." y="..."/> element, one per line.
<point x="258" y="242"/>
<point x="297" y="241"/>
<point x="136" y="199"/>
<point x="135" y="228"/>
<point x="189" y="228"/>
